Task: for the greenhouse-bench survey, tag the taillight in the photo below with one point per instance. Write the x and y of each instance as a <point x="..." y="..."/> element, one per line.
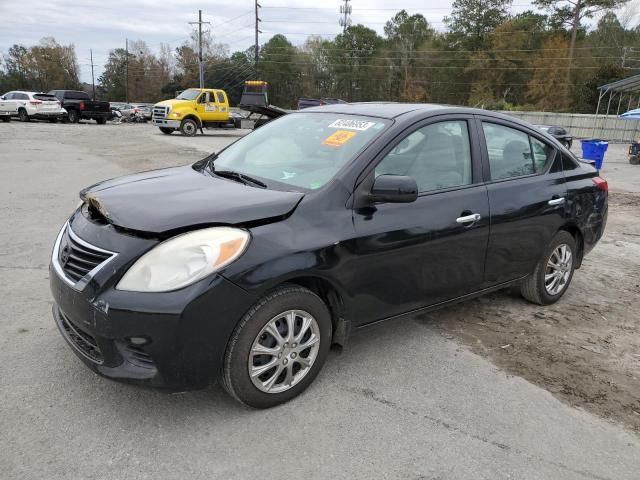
<point x="35" y="102"/>
<point x="81" y="105"/>
<point x="601" y="183"/>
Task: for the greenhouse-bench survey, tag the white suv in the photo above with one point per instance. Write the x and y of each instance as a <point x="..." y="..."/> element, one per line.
<point x="28" y="105"/>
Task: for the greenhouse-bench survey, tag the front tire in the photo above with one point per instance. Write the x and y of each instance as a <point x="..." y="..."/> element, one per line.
<point x="166" y="131"/>
<point x="553" y="273"/>
<point x="23" y="115"/>
<point x="6" y="118"/>
<point x="101" y="121"/>
<point x="188" y="127"/>
<point x="278" y="347"/>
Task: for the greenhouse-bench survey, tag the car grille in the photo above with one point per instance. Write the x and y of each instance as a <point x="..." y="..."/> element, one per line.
<point x="160" y="112"/>
<point x="137" y="356"/>
<point x="81" y="340"/>
<point x="77" y="257"/>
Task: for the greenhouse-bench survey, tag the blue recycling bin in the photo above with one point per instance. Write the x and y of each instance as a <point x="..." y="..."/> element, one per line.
<point x="593" y="149"/>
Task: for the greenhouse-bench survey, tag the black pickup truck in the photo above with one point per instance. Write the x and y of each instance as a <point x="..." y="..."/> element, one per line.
<point x="79" y="105"/>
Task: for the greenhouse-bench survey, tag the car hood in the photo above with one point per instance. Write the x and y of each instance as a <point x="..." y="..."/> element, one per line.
<point x="174" y="103"/>
<point x="176" y="198"/>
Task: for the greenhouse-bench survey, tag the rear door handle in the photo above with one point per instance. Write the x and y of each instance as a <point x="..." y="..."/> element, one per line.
<point x="474" y="217"/>
<point x="556" y="201"/>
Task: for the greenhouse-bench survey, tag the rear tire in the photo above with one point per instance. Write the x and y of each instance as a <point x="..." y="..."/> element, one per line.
<point x="294" y="365"/>
<point x="53" y="120"/>
<point x="6" y="118"/>
<point x="188" y="127"/>
<point x="23" y="115"/>
<point x="553" y="272"/>
<point x="634" y="159"/>
<point x="166" y="131"/>
<point x="101" y="121"/>
<point x="73" y="116"/>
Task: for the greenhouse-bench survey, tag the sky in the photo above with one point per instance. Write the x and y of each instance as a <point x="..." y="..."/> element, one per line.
<point x="102" y="25"/>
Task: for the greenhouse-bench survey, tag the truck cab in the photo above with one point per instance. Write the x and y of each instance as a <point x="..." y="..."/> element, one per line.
<point x="192" y="109"/>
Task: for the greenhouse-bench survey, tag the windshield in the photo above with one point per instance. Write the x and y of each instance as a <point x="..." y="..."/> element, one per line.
<point x="301" y="149"/>
<point x="188" y="95"/>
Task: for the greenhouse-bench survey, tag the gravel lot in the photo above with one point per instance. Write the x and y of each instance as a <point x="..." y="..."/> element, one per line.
<point x="495" y="388"/>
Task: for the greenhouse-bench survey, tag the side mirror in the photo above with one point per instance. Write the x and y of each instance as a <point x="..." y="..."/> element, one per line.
<point x="394" y="189"/>
<point x="2" y="98"/>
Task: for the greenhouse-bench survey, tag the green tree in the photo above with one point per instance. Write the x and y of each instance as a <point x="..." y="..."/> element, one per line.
<point x="472" y="22"/>
<point x="352" y="61"/>
<point x="405" y="34"/>
<point x="278" y="64"/>
<point x="44" y="66"/>
<point x="112" y="80"/>
<point x="573" y="12"/>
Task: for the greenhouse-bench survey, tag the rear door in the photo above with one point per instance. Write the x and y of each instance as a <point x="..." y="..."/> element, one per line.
<point x="527" y="198"/>
<point x="411" y="255"/>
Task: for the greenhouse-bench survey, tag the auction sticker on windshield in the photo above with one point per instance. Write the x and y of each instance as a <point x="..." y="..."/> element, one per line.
<point x="338" y="138"/>
<point x="352" y="124"/>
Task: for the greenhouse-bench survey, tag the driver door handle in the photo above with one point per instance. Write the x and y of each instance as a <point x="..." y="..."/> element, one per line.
<point x="556" y="201"/>
<point x="474" y="217"/>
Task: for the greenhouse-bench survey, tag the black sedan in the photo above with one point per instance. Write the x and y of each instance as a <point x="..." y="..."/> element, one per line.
<point x="558" y="133"/>
<point x="248" y="265"/>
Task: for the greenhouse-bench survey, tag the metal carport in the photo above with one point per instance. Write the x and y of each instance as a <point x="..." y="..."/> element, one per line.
<point x="629" y="87"/>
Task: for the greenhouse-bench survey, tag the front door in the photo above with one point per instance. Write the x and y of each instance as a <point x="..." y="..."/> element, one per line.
<point x="526" y="197"/>
<point x="432" y="250"/>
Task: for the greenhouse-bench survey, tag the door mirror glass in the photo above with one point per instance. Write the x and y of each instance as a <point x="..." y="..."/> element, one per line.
<point x="394" y="189"/>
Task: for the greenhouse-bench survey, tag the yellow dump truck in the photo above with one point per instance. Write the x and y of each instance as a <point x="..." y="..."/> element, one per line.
<point x="192" y="110"/>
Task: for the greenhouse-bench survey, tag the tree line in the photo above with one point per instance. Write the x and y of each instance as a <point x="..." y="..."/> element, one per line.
<point x="486" y="58"/>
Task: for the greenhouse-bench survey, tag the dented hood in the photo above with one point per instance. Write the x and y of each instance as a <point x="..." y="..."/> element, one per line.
<point x="175" y="198"/>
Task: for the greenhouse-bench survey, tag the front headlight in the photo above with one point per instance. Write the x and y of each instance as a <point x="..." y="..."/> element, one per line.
<point x="175" y="114"/>
<point x="185" y="259"/>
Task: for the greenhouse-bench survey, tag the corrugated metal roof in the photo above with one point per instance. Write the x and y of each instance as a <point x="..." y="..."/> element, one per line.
<point x="629" y="84"/>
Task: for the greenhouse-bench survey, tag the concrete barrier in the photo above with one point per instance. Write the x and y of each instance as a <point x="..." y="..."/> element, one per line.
<point x="580" y="125"/>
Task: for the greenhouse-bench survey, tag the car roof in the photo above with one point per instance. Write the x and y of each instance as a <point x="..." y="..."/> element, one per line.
<point x="391" y="110"/>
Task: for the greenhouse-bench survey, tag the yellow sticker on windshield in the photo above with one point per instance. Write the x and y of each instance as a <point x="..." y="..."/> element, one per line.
<point x="339" y="138"/>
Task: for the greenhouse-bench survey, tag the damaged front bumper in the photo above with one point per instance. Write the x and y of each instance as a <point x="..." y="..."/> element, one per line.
<point x="174" y="340"/>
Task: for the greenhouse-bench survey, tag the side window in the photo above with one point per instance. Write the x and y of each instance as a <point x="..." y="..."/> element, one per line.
<point x="202" y="98"/>
<point x="220" y="97"/>
<point x="568" y="163"/>
<point x="541" y="153"/>
<point x="513" y="153"/>
<point x="20" y="96"/>
<point x="9" y="96"/>
<point x="437" y="156"/>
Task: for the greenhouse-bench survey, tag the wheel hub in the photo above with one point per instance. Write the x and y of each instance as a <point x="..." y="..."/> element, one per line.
<point x="284" y="351"/>
<point x="558" y="269"/>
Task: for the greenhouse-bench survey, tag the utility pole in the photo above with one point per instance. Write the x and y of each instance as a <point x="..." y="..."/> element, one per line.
<point x="126" y="70"/>
<point x="200" y="64"/>
<point x="256" y="47"/>
<point x="345" y="10"/>
<point x="93" y="82"/>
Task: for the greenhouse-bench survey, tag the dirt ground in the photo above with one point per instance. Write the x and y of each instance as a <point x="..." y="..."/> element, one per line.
<point x="585" y="349"/>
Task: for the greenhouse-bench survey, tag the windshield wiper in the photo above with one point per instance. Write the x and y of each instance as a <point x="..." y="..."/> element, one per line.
<point x="233" y="175"/>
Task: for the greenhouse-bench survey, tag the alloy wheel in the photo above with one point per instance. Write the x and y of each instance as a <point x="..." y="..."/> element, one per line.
<point x="558" y="269"/>
<point x="284" y="351"/>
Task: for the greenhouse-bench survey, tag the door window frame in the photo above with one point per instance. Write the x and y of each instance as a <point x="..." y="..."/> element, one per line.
<point x="486" y="166"/>
<point x="366" y="178"/>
